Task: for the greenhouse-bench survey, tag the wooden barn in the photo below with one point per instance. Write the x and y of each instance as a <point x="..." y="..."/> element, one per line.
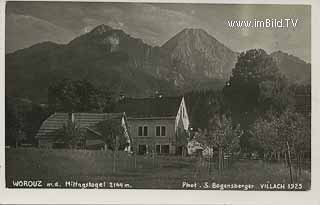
<point x="52" y="131"/>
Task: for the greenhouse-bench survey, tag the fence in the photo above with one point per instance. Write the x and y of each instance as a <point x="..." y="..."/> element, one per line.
<point x="62" y="162"/>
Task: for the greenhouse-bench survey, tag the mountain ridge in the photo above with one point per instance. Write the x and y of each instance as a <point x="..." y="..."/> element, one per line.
<point x="294" y="68"/>
<point x="112" y="59"/>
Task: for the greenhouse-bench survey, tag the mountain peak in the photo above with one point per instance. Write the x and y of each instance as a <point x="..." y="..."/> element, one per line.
<point x="193" y="30"/>
<point x="280" y="54"/>
<point x="295" y="69"/>
<point x="200" y="54"/>
<point x="194" y="33"/>
<point x="190" y="36"/>
<point x="101" y="29"/>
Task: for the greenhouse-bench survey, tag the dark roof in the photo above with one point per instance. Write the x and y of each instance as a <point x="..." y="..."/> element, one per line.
<point x="149" y="107"/>
<point x="51" y="126"/>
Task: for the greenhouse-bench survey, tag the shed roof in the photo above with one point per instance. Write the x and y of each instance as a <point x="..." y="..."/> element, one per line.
<point x="51" y="126"/>
<point x="149" y="107"/>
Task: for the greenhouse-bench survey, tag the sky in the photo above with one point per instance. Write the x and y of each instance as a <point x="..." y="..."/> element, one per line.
<point x="28" y="23"/>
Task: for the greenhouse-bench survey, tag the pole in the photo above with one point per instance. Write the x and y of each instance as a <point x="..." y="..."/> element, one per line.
<point x="209" y="167"/>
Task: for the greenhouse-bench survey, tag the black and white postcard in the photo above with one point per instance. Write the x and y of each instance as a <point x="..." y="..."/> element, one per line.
<point x="207" y="97"/>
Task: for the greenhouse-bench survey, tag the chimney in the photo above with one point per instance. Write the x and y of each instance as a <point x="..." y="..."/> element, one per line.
<point x="121" y="96"/>
<point x="158" y="94"/>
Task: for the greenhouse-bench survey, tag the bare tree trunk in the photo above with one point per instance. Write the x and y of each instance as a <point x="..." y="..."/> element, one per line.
<point x="209" y="166"/>
<point x="299" y="166"/>
<point x="114" y="162"/>
<point x="295" y="169"/>
<point x="269" y="156"/>
<point x="135" y="160"/>
<point x="222" y="153"/>
<point x="273" y="156"/>
<point x="227" y="161"/>
<point x="114" y="153"/>
<point x="301" y="161"/>
<point x="289" y="160"/>
<point x="285" y="159"/>
<point x="210" y="159"/>
<point x="232" y="159"/>
<point x="220" y="159"/>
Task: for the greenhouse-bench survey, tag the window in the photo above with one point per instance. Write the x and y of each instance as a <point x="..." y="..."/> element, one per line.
<point x="164" y="149"/>
<point x="140" y="131"/>
<point x="145" y="131"/>
<point x="163" y="131"/>
<point x="158" y="150"/>
<point x="179" y="150"/>
<point x="142" y="149"/>
<point x="158" y="131"/>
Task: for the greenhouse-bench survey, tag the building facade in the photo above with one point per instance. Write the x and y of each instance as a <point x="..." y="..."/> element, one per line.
<point x="158" y="124"/>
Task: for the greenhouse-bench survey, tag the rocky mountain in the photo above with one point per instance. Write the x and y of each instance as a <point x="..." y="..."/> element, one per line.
<point x="111" y="59"/>
<point x="106" y="57"/>
<point x="295" y="69"/>
<point x="198" y="54"/>
<point x="104" y="40"/>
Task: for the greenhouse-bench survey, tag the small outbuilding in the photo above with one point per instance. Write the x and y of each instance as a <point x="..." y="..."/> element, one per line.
<point x="85" y="127"/>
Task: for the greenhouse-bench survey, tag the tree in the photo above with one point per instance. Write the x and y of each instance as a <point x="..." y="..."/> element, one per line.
<point x="13" y="124"/>
<point x="32" y="120"/>
<point x="23" y="120"/>
<point x="265" y="133"/>
<point x="202" y="105"/>
<point x="290" y="132"/>
<point x="77" y="96"/>
<point x="71" y="133"/>
<point x="109" y="129"/>
<point x="221" y="136"/>
<point x="295" y="129"/>
<point x="113" y="135"/>
<point x="302" y="95"/>
<point x="255" y="87"/>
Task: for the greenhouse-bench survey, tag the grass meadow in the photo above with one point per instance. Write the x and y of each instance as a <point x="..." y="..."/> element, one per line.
<point x="160" y="172"/>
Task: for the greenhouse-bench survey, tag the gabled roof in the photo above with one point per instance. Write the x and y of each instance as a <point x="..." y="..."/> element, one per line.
<point x="51" y="126"/>
<point x="149" y="107"/>
<point x="190" y="109"/>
